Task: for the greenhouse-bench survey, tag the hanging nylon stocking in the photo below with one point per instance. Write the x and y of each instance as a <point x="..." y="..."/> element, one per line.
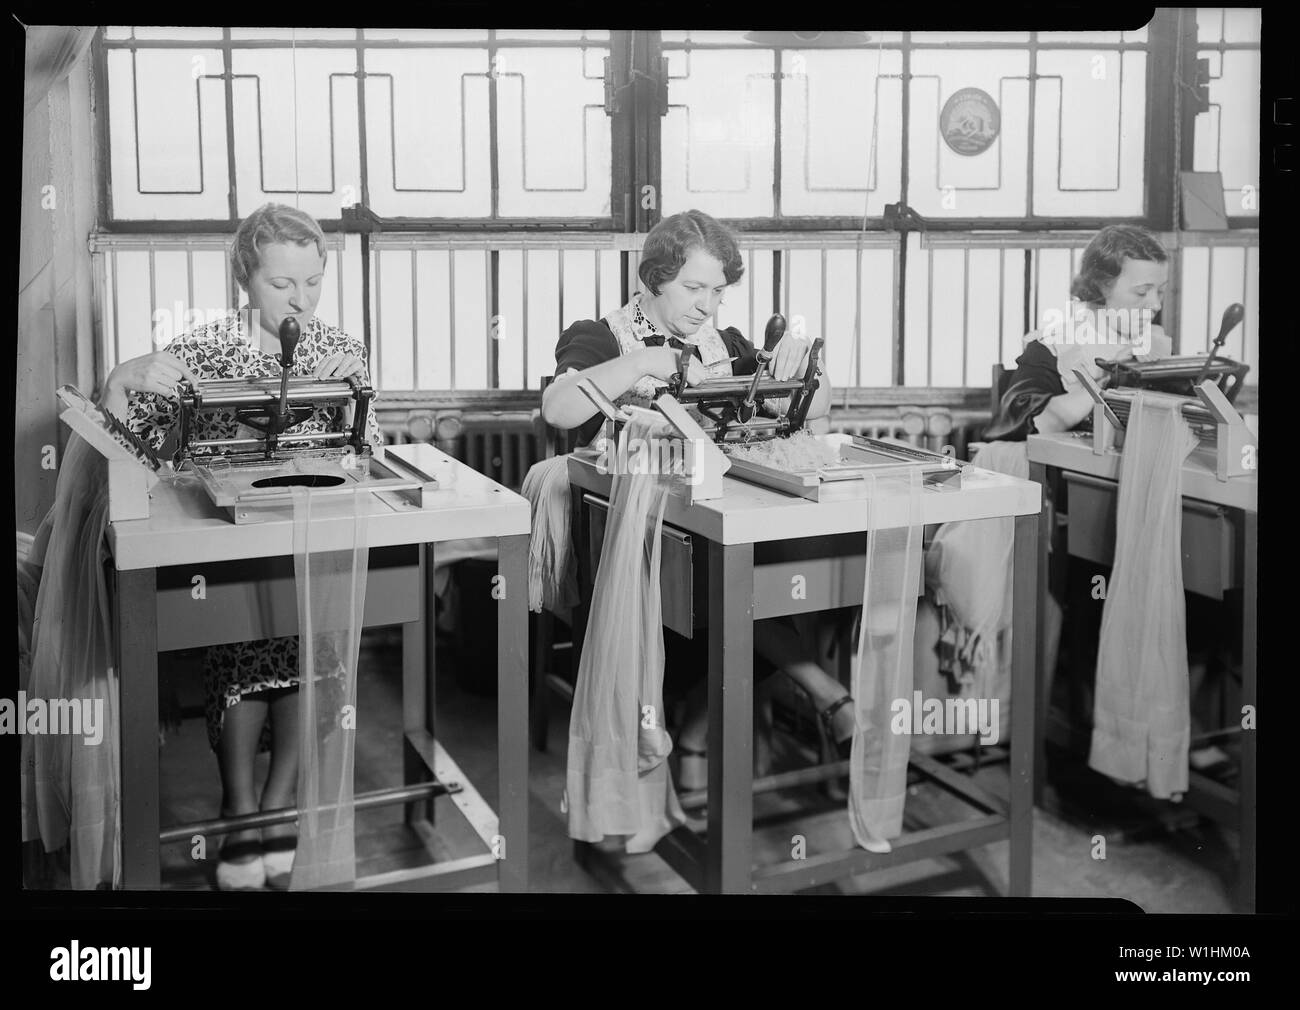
<point x="1141" y="720"/>
<point x="618" y="781"/>
<point x="552" y="581"/>
<point x="331" y="600"/>
<point x="968" y="567"/>
<point x="71" y="785"/>
<point x="883" y="671"/>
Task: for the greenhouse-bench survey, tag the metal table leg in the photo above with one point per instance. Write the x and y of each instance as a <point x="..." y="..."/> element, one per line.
<point x="418" y="689"/>
<point x="136" y="606"/>
<point x="731" y="718"/>
<point x="1026" y="606"/>
<point x="1246" y="787"/>
<point x="512" y="711"/>
<point x="1038" y="474"/>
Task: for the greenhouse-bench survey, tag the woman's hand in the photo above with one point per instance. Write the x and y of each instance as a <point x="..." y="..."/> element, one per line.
<point x="661" y="362"/>
<point x="158" y="372"/>
<point x="339" y="366"/>
<point x="789" y="357"/>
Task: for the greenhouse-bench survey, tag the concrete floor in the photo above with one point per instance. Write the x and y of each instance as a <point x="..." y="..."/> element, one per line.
<point x="1186" y="867"/>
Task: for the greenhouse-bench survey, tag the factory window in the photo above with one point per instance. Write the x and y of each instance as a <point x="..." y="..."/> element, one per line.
<point x="916" y="198"/>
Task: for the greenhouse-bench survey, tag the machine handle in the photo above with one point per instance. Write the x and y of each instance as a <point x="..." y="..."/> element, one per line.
<point x="1232" y="316"/>
<point x="774" y="332"/>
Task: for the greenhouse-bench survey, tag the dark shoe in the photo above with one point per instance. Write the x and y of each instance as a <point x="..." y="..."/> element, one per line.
<point x="842" y="747"/>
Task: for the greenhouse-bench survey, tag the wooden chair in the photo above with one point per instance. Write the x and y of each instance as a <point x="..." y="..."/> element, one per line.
<point x="1001" y="381"/>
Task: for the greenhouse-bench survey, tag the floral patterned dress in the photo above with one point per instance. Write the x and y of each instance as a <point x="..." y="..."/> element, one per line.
<point x="223" y="350"/>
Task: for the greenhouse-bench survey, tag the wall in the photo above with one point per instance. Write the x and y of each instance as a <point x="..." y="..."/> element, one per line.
<point x="55" y="302"/>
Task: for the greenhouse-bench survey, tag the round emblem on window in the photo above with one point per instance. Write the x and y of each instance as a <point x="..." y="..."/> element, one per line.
<point x="970" y="121"/>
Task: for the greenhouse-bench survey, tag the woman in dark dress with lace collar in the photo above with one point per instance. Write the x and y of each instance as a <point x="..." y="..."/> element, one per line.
<point x="687" y="263"/>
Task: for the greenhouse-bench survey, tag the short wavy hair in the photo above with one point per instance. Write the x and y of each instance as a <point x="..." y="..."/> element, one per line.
<point x="271" y="223"/>
<point x="674" y="238"/>
<point x="1104" y="259"/>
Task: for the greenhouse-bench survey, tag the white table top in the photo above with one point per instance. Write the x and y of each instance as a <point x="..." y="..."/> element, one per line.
<point x="1073" y="451"/>
<point x="185" y="527"/>
<point x="747" y="513"/>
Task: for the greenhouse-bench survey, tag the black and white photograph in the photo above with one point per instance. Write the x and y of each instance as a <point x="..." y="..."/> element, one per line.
<point x="461" y="461"/>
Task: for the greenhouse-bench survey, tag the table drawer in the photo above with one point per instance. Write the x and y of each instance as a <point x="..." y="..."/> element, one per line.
<point x="808" y="574"/>
<point x="255" y="599"/>
<point x="677" y="576"/>
<point x="1209" y="541"/>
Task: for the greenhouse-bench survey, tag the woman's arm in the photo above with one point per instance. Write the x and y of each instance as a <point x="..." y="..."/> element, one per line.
<point x="565" y="406"/>
<point x="1063" y="412"/>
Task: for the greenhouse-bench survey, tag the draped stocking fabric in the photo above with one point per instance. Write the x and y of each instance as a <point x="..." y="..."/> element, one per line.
<point x="968" y="568"/>
<point x="883" y="672"/>
<point x="617" y="781"/>
<point x="552" y="579"/>
<point x="1141" y="721"/>
<point x="331" y="601"/>
<point x="71" y="781"/>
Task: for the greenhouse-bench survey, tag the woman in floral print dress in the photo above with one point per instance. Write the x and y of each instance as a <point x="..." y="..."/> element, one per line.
<point x="278" y="257"/>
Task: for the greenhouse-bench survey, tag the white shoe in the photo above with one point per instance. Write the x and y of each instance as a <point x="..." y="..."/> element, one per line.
<point x="241" y="876"/>
<point x="279" y="867"/>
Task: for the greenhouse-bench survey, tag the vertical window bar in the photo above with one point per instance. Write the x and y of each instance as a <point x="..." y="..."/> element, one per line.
<point x="753" y="332"/>
<point x="559" y="255"/>
<point x="231" y="293"/>
<point x="228" y="81"/>
<point x="1033" y="113"/>
<point x="338" y="271"/>
<point x="117" y="330"/>
<point x="896" y="313"/>
<point x="525" y="319"/>
<point x="379" y="313"/>
<point x="776" y="133"/>
<point x="415" y="321"/>
<point x="451" y="311"/>
<point x="1002" y="300"/>
<point x="189" y="277"/>
<point x="493" y="156"/>
<point x="1245" y="293"/>
<point x="929" y="316"/>
<point x="785" y="287"/>
<point x="153" y="302"/>
<point x="965" y="311"/>
<point x="822" y="323"/>
<point x="857" y="320"/>
<point x="596" y="255"/>
<point x="1209" y="294"/>
<point x="494" y="345"/>
<point x="361" y="119"/>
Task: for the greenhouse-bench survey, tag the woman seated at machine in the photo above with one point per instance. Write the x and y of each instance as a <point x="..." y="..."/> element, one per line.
<point x="687" y="263"/>
<point x="278" y="257"/>
<point x="1118" y="291"/>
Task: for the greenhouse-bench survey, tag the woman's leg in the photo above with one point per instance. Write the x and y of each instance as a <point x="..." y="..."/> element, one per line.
<point x="241" y="728"/>
<point x="780" y="645"/>
<point x="282" y="781"/>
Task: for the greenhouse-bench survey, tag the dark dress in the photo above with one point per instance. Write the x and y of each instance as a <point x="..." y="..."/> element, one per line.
<point x="589" y="342"/>
<point x="1033" y="384"/>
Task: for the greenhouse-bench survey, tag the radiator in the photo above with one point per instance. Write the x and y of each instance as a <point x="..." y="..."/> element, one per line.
<point x="874" y="427"/>
<point x="504" y="454"/>
<point x="501" y="445"/>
